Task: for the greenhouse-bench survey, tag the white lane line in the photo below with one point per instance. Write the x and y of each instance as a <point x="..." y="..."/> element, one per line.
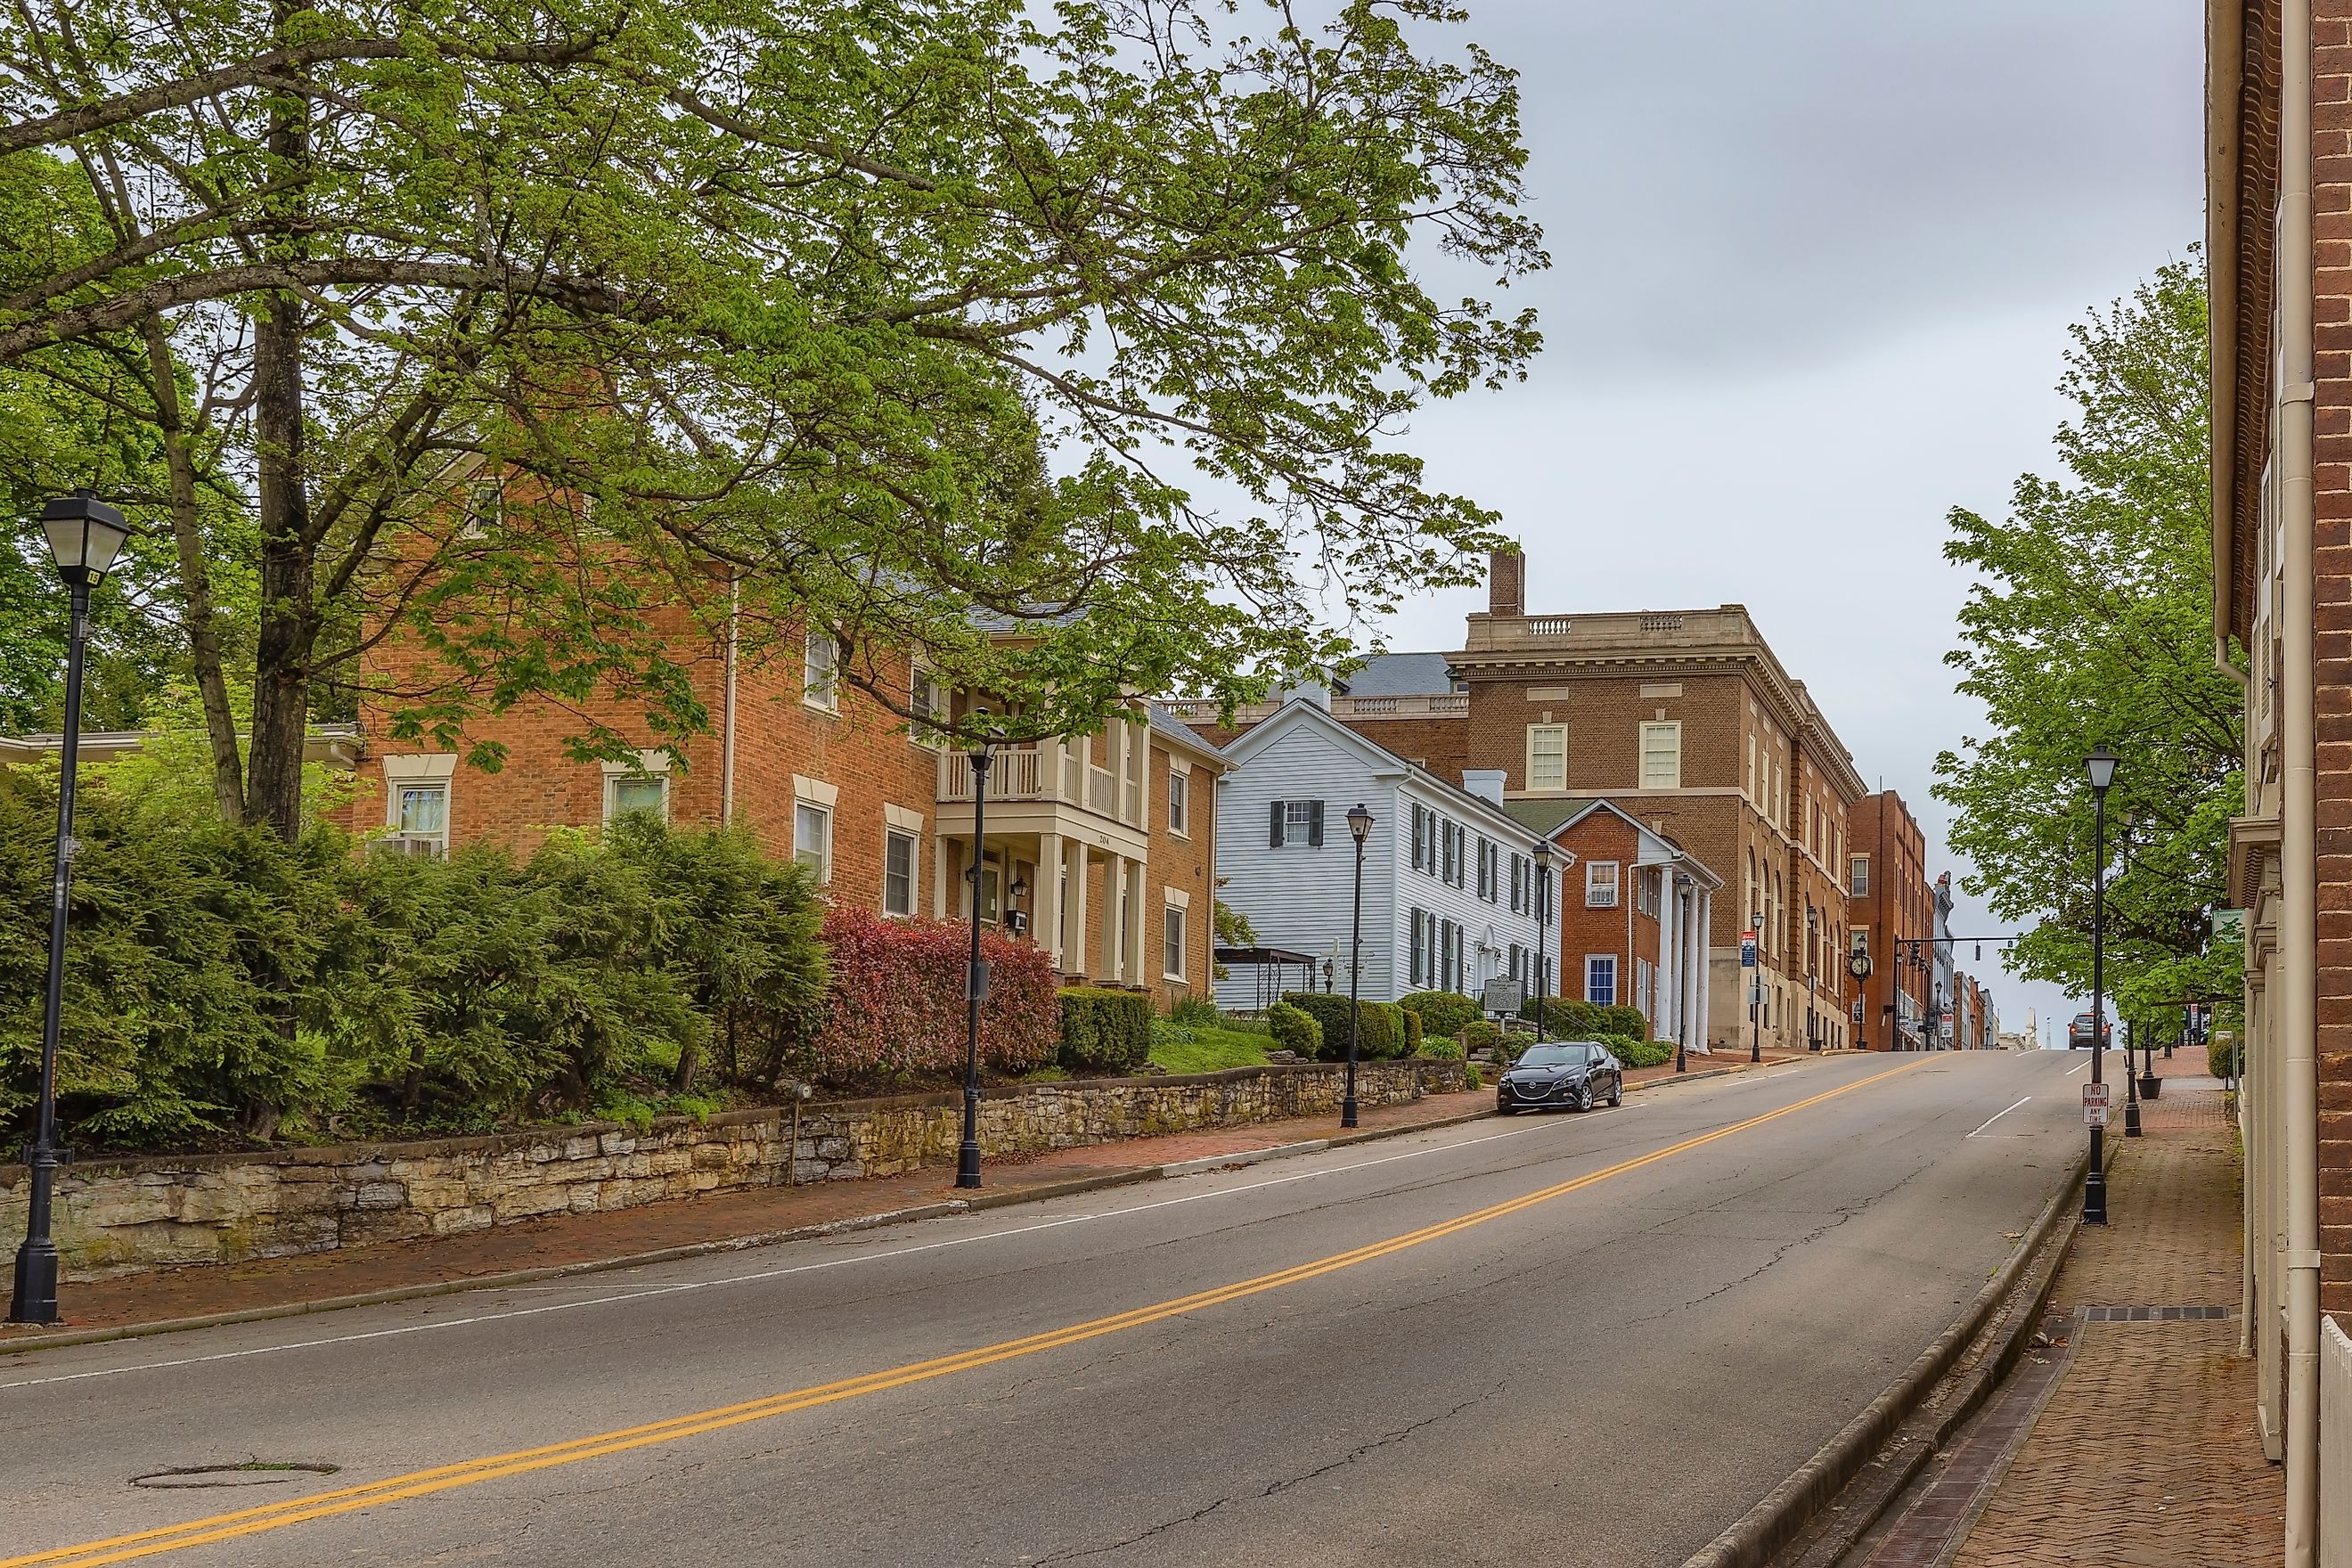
<point x="639" y="1294"/>
<point x="1998" y="1115"/>
<point x="2077" y="1067"/>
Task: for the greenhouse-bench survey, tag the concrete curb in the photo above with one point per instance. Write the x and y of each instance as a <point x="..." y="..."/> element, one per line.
<point x="1776" y="1521"/>
<point x="14" y="1344"/>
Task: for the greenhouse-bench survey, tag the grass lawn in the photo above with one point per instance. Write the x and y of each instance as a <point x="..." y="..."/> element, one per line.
<point x="1180" y="1048"/>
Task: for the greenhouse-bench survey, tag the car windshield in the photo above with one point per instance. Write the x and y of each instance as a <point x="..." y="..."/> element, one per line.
<point x="1557" y="1056"/>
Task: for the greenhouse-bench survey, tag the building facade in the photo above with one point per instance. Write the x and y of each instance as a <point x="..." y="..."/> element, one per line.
<point x="1635" y="915"/>
<point x="1100" y="848"/>
<point x="1686" y="722"/>
<point x="1449" y="884"/>
<point x="1888" y="911"/>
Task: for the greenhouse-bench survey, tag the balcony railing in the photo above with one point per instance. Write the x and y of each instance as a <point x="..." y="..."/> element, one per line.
<point x="1051" y="772"/>
<point x="1102" y="790"/>
<point x="1013" y="775"/>
<point x="1417" y="705"/>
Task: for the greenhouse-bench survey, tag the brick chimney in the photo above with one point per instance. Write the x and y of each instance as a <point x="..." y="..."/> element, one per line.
<point x="1507" y="583"/>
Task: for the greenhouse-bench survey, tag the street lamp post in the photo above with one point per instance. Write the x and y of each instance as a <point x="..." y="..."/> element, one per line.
<point x="975" y="988"/>
<point x="1360" y="827"/>
<point x="1681" y="1015"/>
<point x="85" y="535"/>
<point x="1812" y="943"/>
<point x="2131" y="1086"/>
<point x="1756" y="992"/>
<point x="1542" y="851"/>
<point x="2100" y="765"/>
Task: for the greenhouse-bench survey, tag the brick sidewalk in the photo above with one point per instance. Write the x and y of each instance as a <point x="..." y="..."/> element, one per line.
<point x="2147" y="1455"/>
<point x="565" y="1240"/>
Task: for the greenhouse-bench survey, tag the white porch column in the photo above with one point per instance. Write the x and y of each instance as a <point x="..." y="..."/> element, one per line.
<point x="1702" y="942"/>
<point x="1141" y="970"/>
<point x="1115" y="899"/>
<point x="1048" y="898"/>
<point x="941" y="847"/>
<point x="1074" y="945"/>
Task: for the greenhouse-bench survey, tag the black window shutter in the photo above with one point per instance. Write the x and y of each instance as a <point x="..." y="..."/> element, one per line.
<point x="1315" y="823"/>
<point x="1274" y="835"/>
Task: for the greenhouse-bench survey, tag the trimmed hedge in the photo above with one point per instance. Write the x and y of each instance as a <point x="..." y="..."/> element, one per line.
<point x="1441" y="1048"/>
<point x="1481" y="1035"/>
<point x="1380" y="1027"/>
<point x="1636" y="1053"/>
<point x="1441" y="1012"/>
<point x="1103" y="1028"/>
<point x="1293" y="1029"/>
<point x="898" y="1006"/>
<point x="2223" y="1058"/>
<point x="1567" y="1019"/>
<point x="1413" y="1030"/>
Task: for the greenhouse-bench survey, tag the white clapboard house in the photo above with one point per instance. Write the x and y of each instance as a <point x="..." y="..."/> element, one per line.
<point x="1449" y="878"/>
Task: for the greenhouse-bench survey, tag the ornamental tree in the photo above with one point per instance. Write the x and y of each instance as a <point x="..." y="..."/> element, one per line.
<point x="914" y="321"/>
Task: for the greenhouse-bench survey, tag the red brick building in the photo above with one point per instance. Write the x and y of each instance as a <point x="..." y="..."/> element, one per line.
<point x="1634" y="912"/>
<point x="1102" y="846"/>
<point x="1890" y="914"/>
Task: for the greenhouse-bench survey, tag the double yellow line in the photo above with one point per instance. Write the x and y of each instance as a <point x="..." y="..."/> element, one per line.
<point x="472" y="1472"/>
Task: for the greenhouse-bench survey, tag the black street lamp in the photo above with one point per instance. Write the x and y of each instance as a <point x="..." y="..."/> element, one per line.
<point x="85" y="536"/>
<point x="1813" y="946"/>
<point x="2131" y="1086"/>
<point x="1360" y="827"/>
<point x="975" y="976"/>
<point x="2100" y="765"/>
<point x="1543" y="915"/>
<point x="1756" y="992"/>
<point x="1682" y="1019"/>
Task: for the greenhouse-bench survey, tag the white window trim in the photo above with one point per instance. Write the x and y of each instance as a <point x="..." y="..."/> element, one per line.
<point x="1175" y="901"/>
<point x="897" y="815"/>
<point x="929" y="738"/>
<point x="829" y="700"/>
<point x="1533" y="731"/>
<point x="654" y="764"/>
<point x="1616" y="981"/>
<point x="1592" y="888"/>
<point x="1179" y="776"/>
<point x="817" y="791"/>
<point x="824" y="853"/>
<point x="415" y="768"/>
<point x="894" y="828"/>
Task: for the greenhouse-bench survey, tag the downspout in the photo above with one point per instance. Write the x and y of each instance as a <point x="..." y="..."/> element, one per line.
<point x="2298" y="839"/>
<point x="726" y="711"/>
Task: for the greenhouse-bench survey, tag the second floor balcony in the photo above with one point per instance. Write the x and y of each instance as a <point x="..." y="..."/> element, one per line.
<point x="1057" y="773"/>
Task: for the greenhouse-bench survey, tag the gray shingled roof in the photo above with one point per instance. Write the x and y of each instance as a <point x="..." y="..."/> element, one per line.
<point x="1402" y="675"/>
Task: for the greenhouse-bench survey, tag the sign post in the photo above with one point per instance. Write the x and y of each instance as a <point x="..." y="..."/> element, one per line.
<point x="2096" y="1102"/>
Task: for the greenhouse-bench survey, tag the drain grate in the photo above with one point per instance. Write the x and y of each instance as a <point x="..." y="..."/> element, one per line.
<point x="2152" y="1314"/>
<point x="247" y="1473"/>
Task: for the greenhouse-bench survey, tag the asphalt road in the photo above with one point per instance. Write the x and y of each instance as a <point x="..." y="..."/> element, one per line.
<point x="1560" y="1339"/>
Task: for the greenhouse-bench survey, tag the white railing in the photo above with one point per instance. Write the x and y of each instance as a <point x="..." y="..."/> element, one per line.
<point x="1422" y="705"/>
<point x="1661" y="622"/>
<point x="1015" y="775"/>
<point x="1102" y="790"/>
<point x="2334" y="1446"/>
<point x="1549" y="625"/>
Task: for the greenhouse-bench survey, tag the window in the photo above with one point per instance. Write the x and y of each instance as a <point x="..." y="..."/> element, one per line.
<point x="1645" y="988"/>
<point x="929" y="702"/>
<point x="423" y="823"/>
<point x="1450" y="837"/>
<point x="897" y="872"/>
<point x="1662" y="756"/>
<point x="1601" y="884"/>
<point x="1518" y="963"/>
<point x="1547" y="756"/>
<point x="1518" y="884"/>
<point x="1418" y="961"/>
<point x="1295" y="822"/>
<point x="820" y="673"/>
<point x="1648" y="890"/>
<point x="1601" y="979"/>
<point x="812" y="839"/>
<point x="1859" y="873"/>
<point x="626" y="793"/>
<point x="1449" y="954"/>
<point x="1171" y="942"/>
<point x="1180" y="802"/>
<point x="1490" y="869"/>
<point x="1420" y="838"/>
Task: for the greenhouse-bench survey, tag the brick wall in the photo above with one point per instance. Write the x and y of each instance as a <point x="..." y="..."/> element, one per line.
<point x="1621" y="930"/>
<point x="1896" y="905"/>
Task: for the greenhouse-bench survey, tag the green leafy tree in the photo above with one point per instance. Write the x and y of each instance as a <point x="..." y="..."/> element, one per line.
<point x="520" y="328"/>
<point x="2090" y="623"/>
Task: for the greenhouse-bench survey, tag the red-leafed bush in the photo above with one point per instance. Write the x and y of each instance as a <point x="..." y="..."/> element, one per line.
<point x="895" y="1008"/>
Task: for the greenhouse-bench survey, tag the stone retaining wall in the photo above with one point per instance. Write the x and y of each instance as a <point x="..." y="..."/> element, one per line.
<point x="123" y="1216"/>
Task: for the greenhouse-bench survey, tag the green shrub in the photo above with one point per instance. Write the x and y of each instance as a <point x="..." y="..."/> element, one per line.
<point x="1380" y="1027"/>
<point x="1441" y="1012"/>
<point x="1638" y="1052"/>
<point x="1236" y="1024"/>
<point x="1198" y="1011"/>
<point x="1103" y="1028"/>
<point x="1413" y="1030"/>
<point x="1441" y="1048"/>
<point x="1472" y="1077"/>
<point x="1295" y="1029"/>
<point x="1480" y="1035"/>
<point x="2223" y="1056"/>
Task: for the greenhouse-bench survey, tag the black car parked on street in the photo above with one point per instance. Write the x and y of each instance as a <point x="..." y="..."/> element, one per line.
<point x="1581" y="1074"/>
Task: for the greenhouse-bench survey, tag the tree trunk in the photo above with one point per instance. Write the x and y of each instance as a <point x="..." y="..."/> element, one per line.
<point x="288" y="620"/>
<point x="204" y="626"/>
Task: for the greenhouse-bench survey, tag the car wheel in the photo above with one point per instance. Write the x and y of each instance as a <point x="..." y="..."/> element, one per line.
<point x="1584" y="1096"/>
<point x="1617" y="1092"/>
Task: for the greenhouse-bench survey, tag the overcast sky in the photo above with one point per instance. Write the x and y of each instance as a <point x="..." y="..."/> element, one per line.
<point x="1813" y="265"/>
